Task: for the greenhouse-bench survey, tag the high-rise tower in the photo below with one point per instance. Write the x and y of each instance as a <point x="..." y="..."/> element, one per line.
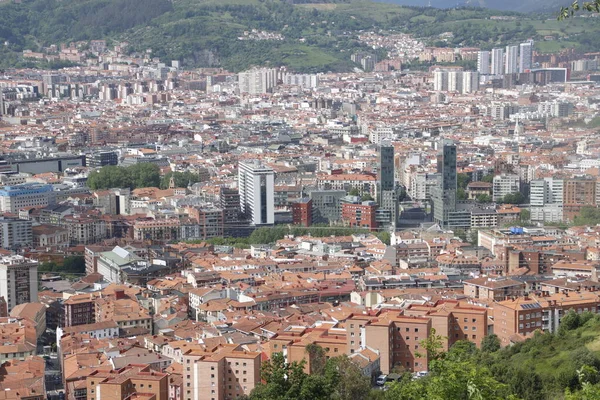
<point x="257" y="192"/>
<point x="387" y="193"/>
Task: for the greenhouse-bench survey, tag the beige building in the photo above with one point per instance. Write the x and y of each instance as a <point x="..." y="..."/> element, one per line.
<point x="222" y="373"/>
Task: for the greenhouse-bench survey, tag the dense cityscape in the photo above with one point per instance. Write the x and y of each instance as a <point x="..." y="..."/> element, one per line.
<point x="392" y="232"/>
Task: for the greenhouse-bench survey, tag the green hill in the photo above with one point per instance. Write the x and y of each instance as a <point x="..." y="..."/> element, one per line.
<point x="318" y="36"/>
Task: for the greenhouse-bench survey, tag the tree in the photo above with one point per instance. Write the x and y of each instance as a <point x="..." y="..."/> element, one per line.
<point x="587" y="6"/>
<point x="490" y="343"/>
<point x="489" y="178"/>
<point x="316" y="356"/>
<point x="351" y="383"/>
<point x="144" y="175"/>
<point x="525" y="216"/>
<point x="385" y="237"/>
<point x="484" y="198"/>
<point x="462" y="180"/>
<point x="461" y="194"/>
<point x="569" y="322"/>
<point x="513" y="198"/>
<point x="366" y="197"/>
<point x="354" y="192"/>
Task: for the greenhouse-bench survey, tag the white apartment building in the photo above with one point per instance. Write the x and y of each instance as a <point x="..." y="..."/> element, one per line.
<point x="505" y="184"/>
<point x="257" y="80"/>
<point x="15" y="233"/>
<point x="256" y="184"/>
<point x="546" y="200"/>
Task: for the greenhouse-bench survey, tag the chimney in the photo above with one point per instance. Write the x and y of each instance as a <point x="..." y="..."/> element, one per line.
<point x="119" y="294"/>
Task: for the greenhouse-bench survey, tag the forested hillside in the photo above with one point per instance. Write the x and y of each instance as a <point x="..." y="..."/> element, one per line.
<point x="316" y="36"/>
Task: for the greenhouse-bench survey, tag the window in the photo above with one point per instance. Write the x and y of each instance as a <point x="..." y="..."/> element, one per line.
<point x="416" y="329"/>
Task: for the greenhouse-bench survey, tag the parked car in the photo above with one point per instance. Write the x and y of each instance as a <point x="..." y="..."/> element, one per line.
<point x="381" y="380"/>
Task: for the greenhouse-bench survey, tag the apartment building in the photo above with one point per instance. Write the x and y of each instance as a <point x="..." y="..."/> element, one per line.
<point x="85" y="229"/>
<point x="157" y="229"/>
<point x="18" y="280"/>
<point x="454" y="320"/>
<point x="132" y="381"/>
<point x="496" y="289"/>
<point x="293" y="340"/>
<point x="359" y="214"/>
<point x="15" y="233"/>
<point x="225" y="372"/>
<point x="364" y="183"/>
<point x="518" y="318"/>
<point x="79" y="309"/>
<point x="397" y="338"/>
<point x="210" y="221"/>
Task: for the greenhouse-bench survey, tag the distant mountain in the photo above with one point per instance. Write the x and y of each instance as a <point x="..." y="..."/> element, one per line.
<point x="525" y="6"/>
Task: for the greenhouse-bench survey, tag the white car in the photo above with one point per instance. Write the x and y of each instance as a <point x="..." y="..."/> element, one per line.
<point x="381" y="380"/>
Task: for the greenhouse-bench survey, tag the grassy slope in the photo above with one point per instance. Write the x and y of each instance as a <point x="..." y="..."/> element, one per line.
<point x="204" y="32"/>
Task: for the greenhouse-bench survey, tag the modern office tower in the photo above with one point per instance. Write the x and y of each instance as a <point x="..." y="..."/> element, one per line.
<point x="510" y="65"/>
<point x="497" y="67"/>
<point x="102" y="158"/>
<point x="326" y="206"/>
<point x="504" y="184"/>
<point x="18" y="280"/>
<point x="257" y="192"/>
<point x="387" y="194"/>
<point x="257" y="80"/>
<point x="445" y="212"/>
<point x="525" y="56"/>
<point x="483" y="62"/>
<point x="15" y="233"/>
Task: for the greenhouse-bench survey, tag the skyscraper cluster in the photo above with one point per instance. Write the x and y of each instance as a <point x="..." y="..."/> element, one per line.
<point x="513" y="59"/>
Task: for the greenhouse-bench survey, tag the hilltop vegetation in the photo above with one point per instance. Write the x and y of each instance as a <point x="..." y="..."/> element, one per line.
<point x="547" y="366"/>
<point x="317" y="36"/>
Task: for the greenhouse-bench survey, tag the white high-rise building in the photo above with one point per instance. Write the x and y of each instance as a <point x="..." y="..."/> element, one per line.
<point x="257" y="192"/>
<point x="546" y="199"/>
<point x="470" y="82"/>
<point x="455" y="81"/>
<point x="483" y="62"/>
<point x="18" y="280"/>
<point x="440" y="80"/>
<point x="257" y="80"/>
<point x="505" y="184"/>
<point x="510" y="66"/>
<point x="525" y="56"/>
<point x="15" y="233"/>
<point x="497" y="67"/>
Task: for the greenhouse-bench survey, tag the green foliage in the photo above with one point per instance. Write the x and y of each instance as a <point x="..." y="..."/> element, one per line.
<point x="462" y="180"/>
<point x="490" y="343"/>
<point x="489" y="178"/>
<point x="366" y="197"/>
<point x="514" y="198"/>
<point x="484" y="198"/>
<point x="453" y="375"/>
<point x="134" y="176"/>
<point x="337" y="378"/>
<point x="354" y="192"/>
<point x="588" y="215"/>
<point x="70" y="265"/>
<point x="461" y="194"/>
<point x="316" y="355"/>
<point x="525" y="216"/>
<point x="384" y="236"/>
<point x="182" y="179"/>
<point x="587" y="6"/>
